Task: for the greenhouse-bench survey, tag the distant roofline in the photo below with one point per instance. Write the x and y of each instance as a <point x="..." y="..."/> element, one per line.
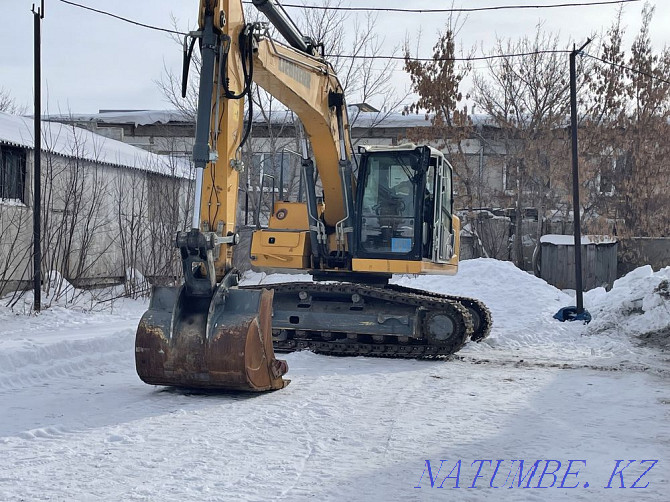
<point x="123" y="111"/>
<point x="152" y="117"/>
<point x="75" y="142"/>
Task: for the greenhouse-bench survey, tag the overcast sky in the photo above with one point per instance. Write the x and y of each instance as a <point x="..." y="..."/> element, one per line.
<point x="93" y="62"/>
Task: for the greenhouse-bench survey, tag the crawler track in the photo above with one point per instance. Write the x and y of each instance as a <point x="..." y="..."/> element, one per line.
<point x="481" y="315"/>
<point x="346" y="319"/>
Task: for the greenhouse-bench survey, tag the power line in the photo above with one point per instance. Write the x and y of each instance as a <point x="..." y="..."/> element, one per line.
<point x="370" y="9"/>
<point x="624" y="67"/>
<point x="124" y="18"/>
<point x="464" y="59"/>
<point x="398" y="58"/>
<point x="455" y="10"/>
<point x="403" y="58"/>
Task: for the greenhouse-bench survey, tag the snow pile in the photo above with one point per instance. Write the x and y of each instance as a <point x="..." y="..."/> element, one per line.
<point x="56" y="292"/>
<point x="521" y="304"/>
<point x="59" y="289"/>
<point x="59" y="295"/>
<point x="638" y="303"/>
<point x="136" y="285"/>
<point x="251" y="278"/>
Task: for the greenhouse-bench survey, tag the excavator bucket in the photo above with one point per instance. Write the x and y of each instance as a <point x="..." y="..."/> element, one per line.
<point x="222" y="342"/>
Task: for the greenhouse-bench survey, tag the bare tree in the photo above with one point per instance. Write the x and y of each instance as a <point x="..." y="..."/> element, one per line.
<point x="170" y="82"/>
<point x="130" y="199"/>
<point x="628" y="123"/>
<point x="352" y="44"/>
<point x="8" y="103"/>
<point x="528" y="98"/>
<point x="15" y="250"/>
<point x="75" y="220"/>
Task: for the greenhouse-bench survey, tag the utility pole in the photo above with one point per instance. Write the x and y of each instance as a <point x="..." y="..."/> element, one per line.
<point x="38" y="15"/>
<point x="575" y="177"/>
<point x="577" y="313"/>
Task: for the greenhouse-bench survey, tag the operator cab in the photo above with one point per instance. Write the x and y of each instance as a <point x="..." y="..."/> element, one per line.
<point x="404" y="204"/>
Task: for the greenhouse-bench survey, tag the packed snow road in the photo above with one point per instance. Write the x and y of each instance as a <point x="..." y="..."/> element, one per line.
<point x="576" y="404"/>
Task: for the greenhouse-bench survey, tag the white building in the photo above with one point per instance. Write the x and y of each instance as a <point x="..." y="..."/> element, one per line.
<point x="107" y="206"/>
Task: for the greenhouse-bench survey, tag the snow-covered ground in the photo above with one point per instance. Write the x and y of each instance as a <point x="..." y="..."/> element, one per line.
<point x="77" y="424"/>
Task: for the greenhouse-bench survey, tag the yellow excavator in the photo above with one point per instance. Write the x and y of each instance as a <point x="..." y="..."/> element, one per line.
<point x="395" y="217"/>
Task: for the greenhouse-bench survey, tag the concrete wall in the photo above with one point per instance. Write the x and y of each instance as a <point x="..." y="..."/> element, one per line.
<point x="637" y="251"/>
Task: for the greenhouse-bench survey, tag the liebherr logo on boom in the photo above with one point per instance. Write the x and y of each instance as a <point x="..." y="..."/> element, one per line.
<point x="295" y="72"/>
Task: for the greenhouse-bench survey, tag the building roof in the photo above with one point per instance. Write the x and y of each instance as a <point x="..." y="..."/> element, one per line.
<point x="381" y="119"/>
<point x="136" y="117"/>
<point x="569" y="240"/>
<point x="361" y="119"/>
<point x="74" y="142"/>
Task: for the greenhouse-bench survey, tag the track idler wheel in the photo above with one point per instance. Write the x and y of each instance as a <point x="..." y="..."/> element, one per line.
<point x="219" y="343"/>
<point x="447" y="330"/>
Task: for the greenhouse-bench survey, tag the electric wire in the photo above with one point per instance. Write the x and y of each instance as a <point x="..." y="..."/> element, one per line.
<point x="137" y="23"/>
<point x="628" y="68"/>
<point x="403" y="58"/>
<point x="456" y="9"/>
<point x="461" y="59"/>
<point x="371" y="9"/>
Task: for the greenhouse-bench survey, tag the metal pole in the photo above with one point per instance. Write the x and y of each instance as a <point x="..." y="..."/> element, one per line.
<point x="261" y="181"/>
<point x="37" y="162"/>
<point x="575" y="177"/>
<point x="246" y="206"/>
<point x="281" y="176"/>
<point x="274" y="187"/>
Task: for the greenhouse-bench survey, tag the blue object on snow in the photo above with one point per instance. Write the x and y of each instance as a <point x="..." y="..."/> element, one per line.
<point x="570" y="314"/>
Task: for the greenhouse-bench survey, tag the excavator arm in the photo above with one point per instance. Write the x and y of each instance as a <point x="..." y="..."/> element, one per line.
<point x="207" y="332"/>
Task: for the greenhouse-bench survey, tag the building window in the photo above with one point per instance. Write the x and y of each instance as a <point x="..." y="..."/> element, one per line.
<point x="276" y="165"/>
<point x="12" y="173"/>
<point x="271" y="163"/>
<point x="511" y="172"/>
<point x="605" y="181"/>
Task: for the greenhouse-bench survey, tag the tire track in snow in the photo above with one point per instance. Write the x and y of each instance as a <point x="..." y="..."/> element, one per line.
<point x="182" y="444"/>
<point x="400" y="405"/>
<point x="36" y="364"/>
<point x="369" y="407"/>
<point x="305" y="458"/>
<point x="524" y="362"/>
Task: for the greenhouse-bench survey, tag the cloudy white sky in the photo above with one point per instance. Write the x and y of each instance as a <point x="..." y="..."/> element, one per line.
<point x="93" y="62"/>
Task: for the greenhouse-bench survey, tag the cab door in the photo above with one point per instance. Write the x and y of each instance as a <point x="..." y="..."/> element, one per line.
<point x="443" y="236"/>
